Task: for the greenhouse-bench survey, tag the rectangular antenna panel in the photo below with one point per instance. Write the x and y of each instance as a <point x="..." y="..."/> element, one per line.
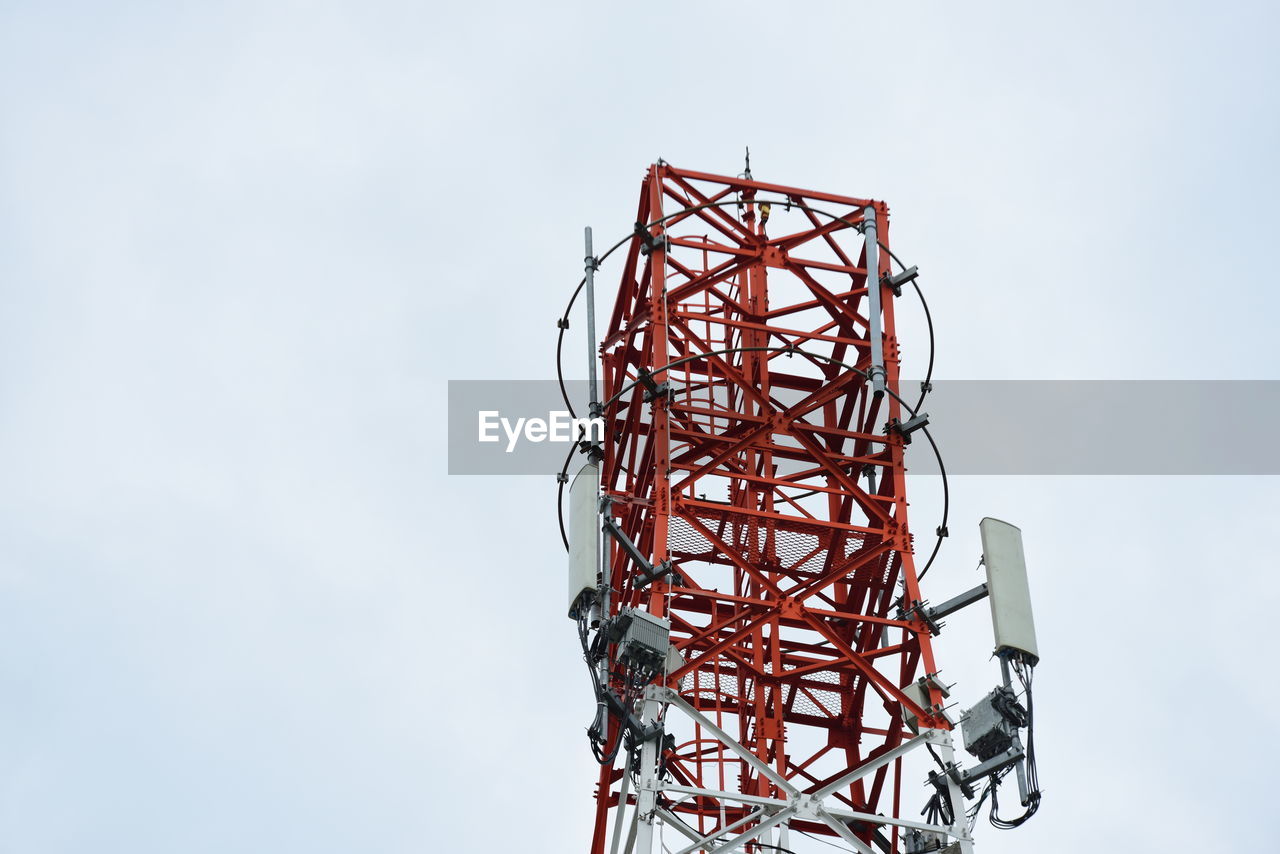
<point x="1007" y="584"/>
<point x="584" y="534"/>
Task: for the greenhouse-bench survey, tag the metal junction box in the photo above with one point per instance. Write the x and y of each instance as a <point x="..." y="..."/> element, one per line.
<point x="923" y="841"/>
<point x="928" y="842"/>
<point x="918" y="691"/>
<point x="991" y="727"/>
<point x="645" y="640"/>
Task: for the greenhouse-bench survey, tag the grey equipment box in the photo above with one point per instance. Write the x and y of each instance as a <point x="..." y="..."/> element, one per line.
<point x="918" y="692"/>
<point x="991" y="727"/>
<point x="645" y="641"/>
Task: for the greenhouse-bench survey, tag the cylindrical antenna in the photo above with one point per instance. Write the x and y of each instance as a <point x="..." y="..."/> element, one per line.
<point x="593" y="404"/>
<point x="873" y="301"/>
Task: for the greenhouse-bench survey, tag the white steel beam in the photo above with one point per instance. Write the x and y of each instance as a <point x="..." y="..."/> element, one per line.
<point x="843" y="831"/>
<point x="743" y="838"/>
<point x="773" y="812"/>
<point x="649" y="784"/>
<point x="673" y="821"/>
<point x="868" y="767"/>
<point x="701" y="842"/>
<point x="666" y="695"/>
<point x="621" y="813"/>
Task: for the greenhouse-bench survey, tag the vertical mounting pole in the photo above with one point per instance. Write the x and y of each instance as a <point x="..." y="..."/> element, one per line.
<point x="590" y="266"/>
<point x="647" y="788"/>
<point x="1021" y="767"/>
<point x="620" y="816"/>
<point x="875" y="333"/>
<point x="959" y="831"/>
<point x="594" y="410"/>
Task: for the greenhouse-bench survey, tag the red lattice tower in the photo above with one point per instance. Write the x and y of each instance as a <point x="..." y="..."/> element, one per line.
<point x="764" y="471"/>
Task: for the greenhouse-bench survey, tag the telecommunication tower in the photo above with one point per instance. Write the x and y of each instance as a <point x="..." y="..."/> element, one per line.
<point x="742" y="572"/>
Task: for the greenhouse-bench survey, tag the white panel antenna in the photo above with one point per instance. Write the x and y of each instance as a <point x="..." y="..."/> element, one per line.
<point x="584" y="535"/>
<point x="1007" y="587"/>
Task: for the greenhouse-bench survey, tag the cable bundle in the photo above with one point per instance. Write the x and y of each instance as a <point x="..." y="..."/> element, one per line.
<point x="1024" y="670"/>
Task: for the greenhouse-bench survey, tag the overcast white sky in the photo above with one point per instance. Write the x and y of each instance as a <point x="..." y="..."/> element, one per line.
<point x="243" y="246"/>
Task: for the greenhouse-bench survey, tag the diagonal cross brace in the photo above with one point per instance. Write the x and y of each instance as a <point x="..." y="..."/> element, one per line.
<point x="666" y="695"/>
<point x="807" y="804"/>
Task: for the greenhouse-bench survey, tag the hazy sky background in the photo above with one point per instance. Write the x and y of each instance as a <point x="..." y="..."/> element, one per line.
<point x="243" y="246"/>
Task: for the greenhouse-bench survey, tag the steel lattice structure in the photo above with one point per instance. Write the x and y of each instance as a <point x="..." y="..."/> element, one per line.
<point x="746" y="445"/>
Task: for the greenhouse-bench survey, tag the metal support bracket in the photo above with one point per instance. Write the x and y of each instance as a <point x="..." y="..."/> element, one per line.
<point x="955" y="603"/>
<point x="648" y="572"/>
<point x="662" y="390"/>
<point x="652" y="389"/>
<point x="966" y="777"/>
<point x="869" y="472"/>
<point x="918" y="611"/>
<point x="906" y="428"/>
<point x="895" y="283"/>
<point x="649" y="243"/>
